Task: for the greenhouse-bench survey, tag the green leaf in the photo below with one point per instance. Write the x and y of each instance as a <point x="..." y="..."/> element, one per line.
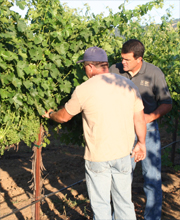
<point x="28" y="84"/>
<point x="4" y="94"/>
<point x="75" y="57"/>
<point x="16" y="82"/>
<point x="36" y="53"/>
<point x="3" y="65"/>
<point x="29" y="35"/>
<point x="53" y="56"/>
<point x="55" y="59"/>
<point x="44" y="43"/>
<point x="76" y="83"/>
<point x="38" y="39"/>
<point x="58" y="98"/>
<point x="45" y="73"/>
<point x="20" y="72"/>
<point x="5" y="79"/>
<point x="33" y="93"/>
<point x="30" y="100"/>
<point x="7" y="55"/>
<point x="85" y="78"/>
<point x="28" y="70"/>
<point x="44" y="85"/>
<point x="58" y="62"/>
<point x="7" y="118"/>
<point x="37" y="80"/>
<point x="21" y="4"/>
<point x="68" y="62"/>
<point x="39" y="108"/>
<point x="21" y="25"/>
<point x="65" y="86"/>
<point x="54" y="73"/>
<point x="20" y="68"/>
<point x="49" y="103"/>
<point x="85" y="34"/>
<point x="61" y="48"/>
<point x="18" y="99"/>
<point x="41" y="92"/>
<point x="22" y="54"/>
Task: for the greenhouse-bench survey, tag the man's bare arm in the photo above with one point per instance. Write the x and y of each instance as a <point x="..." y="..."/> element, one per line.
<point x="60" y="116"/>
<point x="160" y="111"/>
<point x="139" y="151"/>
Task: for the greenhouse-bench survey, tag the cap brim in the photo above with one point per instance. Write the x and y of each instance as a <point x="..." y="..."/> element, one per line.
<point x="80" y="61"/>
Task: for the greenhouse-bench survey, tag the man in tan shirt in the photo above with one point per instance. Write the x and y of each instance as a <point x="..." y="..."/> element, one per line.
<point x="112" y="111"/>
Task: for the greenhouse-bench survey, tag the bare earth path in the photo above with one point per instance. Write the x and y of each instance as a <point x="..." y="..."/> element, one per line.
<point x="64" y="166"/>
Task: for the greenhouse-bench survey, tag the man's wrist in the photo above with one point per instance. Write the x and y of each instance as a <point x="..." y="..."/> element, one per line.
<point x="50" y="113"/>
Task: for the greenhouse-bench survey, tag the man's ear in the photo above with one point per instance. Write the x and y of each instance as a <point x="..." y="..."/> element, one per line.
<point x="91" y="67"/>
<point x="139" y="59"/>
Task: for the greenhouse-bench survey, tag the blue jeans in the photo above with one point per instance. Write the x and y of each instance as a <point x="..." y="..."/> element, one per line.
<point x="106" y="179"/>
<point x="151" y="170"/>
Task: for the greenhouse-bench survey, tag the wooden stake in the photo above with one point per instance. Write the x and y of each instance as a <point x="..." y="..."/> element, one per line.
<point x="38" y="175"/>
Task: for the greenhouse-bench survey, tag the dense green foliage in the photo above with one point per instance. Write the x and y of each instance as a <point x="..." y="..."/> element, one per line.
<point x="38" y="57"/>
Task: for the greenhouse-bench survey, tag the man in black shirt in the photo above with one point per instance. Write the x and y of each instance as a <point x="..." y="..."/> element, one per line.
<point x="157" y="102"/>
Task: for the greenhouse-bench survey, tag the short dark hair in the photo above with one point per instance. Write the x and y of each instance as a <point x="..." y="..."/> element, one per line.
<point x="133" y="46"/>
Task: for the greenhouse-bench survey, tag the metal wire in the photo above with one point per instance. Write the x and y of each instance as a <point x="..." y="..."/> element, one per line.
<point x="170" y="144"/>
<point x="46" y="196"/>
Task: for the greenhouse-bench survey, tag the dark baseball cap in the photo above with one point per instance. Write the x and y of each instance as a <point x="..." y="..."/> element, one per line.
<point x="94" y="54"/>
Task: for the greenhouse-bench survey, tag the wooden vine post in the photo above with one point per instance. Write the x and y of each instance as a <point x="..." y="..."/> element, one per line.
<point x="38" y="166"/>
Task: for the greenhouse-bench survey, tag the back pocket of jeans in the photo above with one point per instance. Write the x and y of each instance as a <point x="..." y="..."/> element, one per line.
<point x="125" y="165"/>
<point x="96" y="167"/>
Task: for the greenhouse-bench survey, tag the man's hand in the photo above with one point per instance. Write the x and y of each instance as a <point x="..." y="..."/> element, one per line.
<point x="159" y="112"/>
<point x="46" y="115"/>
<point x="139" y="152"/>
<point x="148" y="118"/>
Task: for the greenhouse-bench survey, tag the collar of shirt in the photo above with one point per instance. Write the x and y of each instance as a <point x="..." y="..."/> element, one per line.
<point x="141" y="70"/>
<point x="133" y="74"/>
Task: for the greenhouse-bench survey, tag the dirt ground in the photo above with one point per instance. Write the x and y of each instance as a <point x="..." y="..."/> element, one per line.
<point x="65" y="166"/>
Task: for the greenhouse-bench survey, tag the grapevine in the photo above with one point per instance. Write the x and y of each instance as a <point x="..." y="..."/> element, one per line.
<point x="38" y="56"/>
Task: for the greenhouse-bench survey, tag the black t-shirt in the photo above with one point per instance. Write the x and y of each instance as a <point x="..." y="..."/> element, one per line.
<point x="151" y="83"/>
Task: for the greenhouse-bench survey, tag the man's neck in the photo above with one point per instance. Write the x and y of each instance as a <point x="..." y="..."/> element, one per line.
<point x="135" y="72"/>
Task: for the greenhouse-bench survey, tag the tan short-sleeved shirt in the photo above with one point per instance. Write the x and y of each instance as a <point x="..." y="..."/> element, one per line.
<point x="107" y="102"/>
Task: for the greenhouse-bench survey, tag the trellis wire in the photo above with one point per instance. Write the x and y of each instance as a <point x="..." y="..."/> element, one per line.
<point x="170" y="144"/>
<point x="44" y="197"/>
